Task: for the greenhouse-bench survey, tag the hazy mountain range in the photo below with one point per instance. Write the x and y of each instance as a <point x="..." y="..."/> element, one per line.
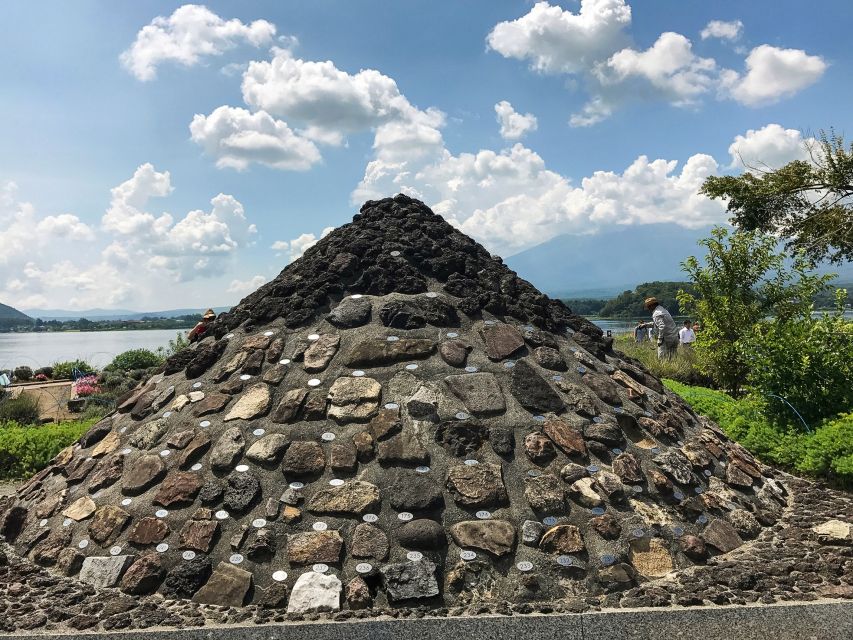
<point x="610" y="262"/>
<point x="113" y="314"/>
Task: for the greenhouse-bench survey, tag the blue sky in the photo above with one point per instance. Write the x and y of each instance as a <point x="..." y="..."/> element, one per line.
<point x="97" y="147"/>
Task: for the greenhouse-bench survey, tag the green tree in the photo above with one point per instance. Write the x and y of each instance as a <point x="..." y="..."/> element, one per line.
<point x="742" y="281"/>
<point x="135" y="359"/>
<point x="808" y="202"/>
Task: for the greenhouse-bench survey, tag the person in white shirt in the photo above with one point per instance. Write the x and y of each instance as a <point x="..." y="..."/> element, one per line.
<point x="687" y="336"/>
<point x="664" y="324"/>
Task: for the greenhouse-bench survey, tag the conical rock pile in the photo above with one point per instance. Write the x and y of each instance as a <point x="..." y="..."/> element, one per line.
<point x="397" y="418"/>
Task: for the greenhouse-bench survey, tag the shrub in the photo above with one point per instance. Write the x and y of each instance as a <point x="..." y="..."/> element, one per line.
<point x="175" y="346"/>
<point x="40" y="377"/>
<point x="827" y="451"/>
<point x="808" y="362"/>
<point x="45" y="371"/>
<point x="23" y="374"/>
<point x="26" y="450"/>
<point x="63" y="370"/>
<point x="24" y="409"/>
<point x="135" y="359"/>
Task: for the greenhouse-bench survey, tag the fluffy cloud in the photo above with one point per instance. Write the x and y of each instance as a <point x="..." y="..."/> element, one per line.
<point x="510" y="200"/>
<point x="294" y="249"/>
<point x="514" y="125"/>
<point x="236" y="138"/>
<point x="554" y="40"/>
<point x="65" y="225"/>
<point x="191" y="33"/>
<point x="722" y="30"/>
<point x="246" y="286"/>
<point x="592" y="46"/>
<point x="772" y="74"/>
<point x="770" y="147"/>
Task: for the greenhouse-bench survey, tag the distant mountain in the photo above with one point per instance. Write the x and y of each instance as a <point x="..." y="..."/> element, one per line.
<point x="610" y="262"/>
<point x="114" y="314"/>
<point x="10" y="313"/>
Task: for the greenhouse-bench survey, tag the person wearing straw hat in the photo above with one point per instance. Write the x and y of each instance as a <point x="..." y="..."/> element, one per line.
<point x="201" y="328"/>
<point x="667" y="331"/>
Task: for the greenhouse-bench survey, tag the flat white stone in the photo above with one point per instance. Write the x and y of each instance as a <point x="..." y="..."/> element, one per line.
<point x="242" y="468"/>
<point x="319" y="526"/>
<point x="315" y="592"/>
<point x="314" y="382"/>
<point x="279" y="576"/>
<point x="221" y="515"/>
<point x="196" y="466"/>
<point x="284" y="361"/>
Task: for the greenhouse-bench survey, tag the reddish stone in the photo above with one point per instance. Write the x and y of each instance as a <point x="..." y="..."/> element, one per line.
<point x="107" y="524"/>
<point x="149" y="530"/>
<point x="179" y="488"/>
<point x="199" y="535"/>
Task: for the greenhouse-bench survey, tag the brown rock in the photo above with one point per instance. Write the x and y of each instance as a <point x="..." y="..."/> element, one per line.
<point x="320" y="353"/>
<point x="566" y="436"/>
<point x="178" y="489"/>
<point x="254" y="402"/>
<point x="69" y="561"/>
<point x="363" y="442"/>
<point x="562" y="539"/>
<point x="143" y="576"/>
<point x="354" y="497"/>
<point x="549" y="358"/>
<point x="501" y="340"/>
<point x="627" y="467"/>
<point x="275" y="349"/>
<point x="454" y="352"/>
<point x="354" y="399"/>
<point x="650" y="557"/>
<point x="199" y="535"/>
<point x="314" y="546"/>
<point x="142" y="473"/>
<point x="254" y="363"/>
<point x="376" y="352"/>
<point x="212" y="403"/>
<point x="107" y="445"/>
<point x="606" y="526"/>
<point x="722" y="536"/>
<point x="289" y="407"/>
<point x="314" y="407"/>
<point x="369" y="541"/>
<point x="274" y="375"/>
<point x="479" y="392"/>
<point x="46" y="552"/>
<point x="107" y="472"/>
<point x="405" y="448"/>
<point x="493" y="536"/>
<point x="693" y="547"/>
<point x="303" y="458"/>
<point x="479" y="485"/>
<point x="80" y="509"/>
<point x="358" y="594"/>
<point x="181" y="439"/>
<point x="149" y="530"/>
<point x="227" y="587"/>
<point x="195" y="449"/>
<point x="227" y="450"/>
<point x="107" y="524"/>
<point x="342" y="456"/>
<point x="539" y="447"/>
<point x="255" y="342"/>
<point x="546" y="494"/>
<point x="385" y="423"/>
<point x="79" y="469"/>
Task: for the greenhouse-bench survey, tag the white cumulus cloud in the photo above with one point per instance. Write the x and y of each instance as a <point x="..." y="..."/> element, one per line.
<point x="294" y="249"/>
<point x="514" y="125"/>
<point x="246" y="286"/>
<point x="554" y="40"/>
<point x="190" y="34"/>
<point x="768" y="148"/>
<point x="236" y="138"/>
<point x="722" y="30"/>
<point x="772" y="74"/>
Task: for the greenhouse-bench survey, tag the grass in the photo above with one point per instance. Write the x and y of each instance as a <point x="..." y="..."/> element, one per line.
<point x="681" y="368"/>
<point x="25" y="450"/>
<point x="826" y="452"/>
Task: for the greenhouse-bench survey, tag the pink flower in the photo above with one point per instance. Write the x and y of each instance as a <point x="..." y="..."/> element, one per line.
<point x="87" y="386"/>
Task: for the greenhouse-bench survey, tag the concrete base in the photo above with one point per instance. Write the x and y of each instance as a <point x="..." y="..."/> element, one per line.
<point x="831" y="620"/>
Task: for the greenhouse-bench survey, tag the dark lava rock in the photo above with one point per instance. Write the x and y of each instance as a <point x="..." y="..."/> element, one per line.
<point x="421" y="534"/>
<point x="693" y="547"/>
<point x="274" y="596"/>
<point x="546" y="494"/>
<point x="606" y="526"/>
<point x="627" y="467"/>
<point x="211" y="492"/>
<point x="603" y="387"/>
<point x="410" y="580"/>
<point x="369" y="541"/>
<point x="416" y="313"/>
<point x="412" y="491"/>
<point x="532" y="391"/>
<point x="376" y="352"/>
<point x="242" y="492"/>
<point x="479" y="485"/>
<point x="143" y="473"/>
<point x="549" y="358"/>
<point x="205" y="357"/>
<point x="675" y="465"/>
<point x="262" y="546"/>
<point x="461" y="437"/>
<point x="539" y="447"/>
<point x="722" y="536"/>
<point x="97" y="433"/>
<point x="303" y="458"/>
<point x="187" y="577"/>
<point x="502" y="440"/>
<point x="605" y="432"/>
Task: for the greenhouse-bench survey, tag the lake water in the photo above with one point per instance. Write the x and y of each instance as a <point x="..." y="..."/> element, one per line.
<point x="98" y="348"/>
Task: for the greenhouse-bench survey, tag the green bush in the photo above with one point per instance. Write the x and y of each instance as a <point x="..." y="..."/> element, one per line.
<point x="26" y="450"/>
<point x="24" y="409"/>
<point x="63" y="370"/>
<point x="808" y="362"/>
<point x="175" y="346"/>
<point x="827" y="451"/>
<point x="135" y="359"/>
<point x="24" y="374"/>
<point x="682" y="367"/>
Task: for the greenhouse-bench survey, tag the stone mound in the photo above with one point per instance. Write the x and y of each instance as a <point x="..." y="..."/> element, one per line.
<point x="396" y="419"/>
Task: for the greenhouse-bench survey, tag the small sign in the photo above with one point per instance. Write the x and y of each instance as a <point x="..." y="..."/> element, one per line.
<point x="259" y="523"/>
<point x="161" y="513"/>
<point x="524" y="566"/>
<point x="364" y="567"/>
<point x="242" y="468"/>
<point x="483" y="515"/>
<point x="313" y="337"/>
<point x="336" y="482"/>
<point x="320" y="568"/>
<point x="114" y="551"/>
<point x="126" y="502"/>
<point x="221" y="514"/>
<point x="405" y="516"/>
<point x="188" y="555"/>
<point x="370" y="517"/>
<point x="279" y="576"/>
<point x="471" y="462"/>
<point x="162" y="547"/>
<point x="468" y="555"/>
<point x="314" y="382"/>
<point x="296" y="485"/>
<point x="196" y="466"/>
<point x="245" y="377"/>
<point x="236" y="558"/>
<point x="415" y="556"/>
<point x="422" y="469"/>
<point x="258" y="432"/>
<point x="328" y="436"/>
<point x="319" y="526"/>
<point x="83" y="544"/>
